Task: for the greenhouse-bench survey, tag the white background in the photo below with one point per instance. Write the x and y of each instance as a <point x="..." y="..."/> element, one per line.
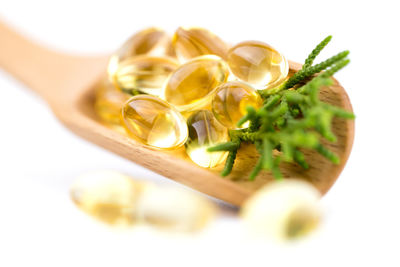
<point x="39" y="158"/>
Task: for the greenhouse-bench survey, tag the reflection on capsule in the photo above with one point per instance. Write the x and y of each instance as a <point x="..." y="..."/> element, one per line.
<point x="154" y="122"/>
<point x="193" y="42"/>
<point x="191" y="85"/>
<point x="150" y="41"/>
<point x="204" y="132"/>
<point x="258" y="64"/>
<point x="144" y="74"/>
<point x="230" y="101"/>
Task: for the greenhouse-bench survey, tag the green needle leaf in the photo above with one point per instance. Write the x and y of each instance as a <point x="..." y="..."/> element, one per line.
<point x="310" y="59"/>
<point x="228" y="146"/>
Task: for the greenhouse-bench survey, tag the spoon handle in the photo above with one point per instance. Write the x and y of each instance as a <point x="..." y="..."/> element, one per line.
<point x="43" y="70"/>
<point x="25" y="60"/>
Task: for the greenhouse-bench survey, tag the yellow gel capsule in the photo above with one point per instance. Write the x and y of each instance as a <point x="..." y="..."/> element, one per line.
<point x="258" y="64"/>
<point x="110" y="197"/>
<point x="230" y="101"/>
<point x="204" y="132"/>
<point x="109" y="102"/>
<point x="283" y="210"/>
<point x="191" y="85"/>
<point x="150" y="41"/>
<point x="194" y="42"/>
<point x="154" y="122"/>
<point x="144" y="74"/>
<point x="170" y="208"/>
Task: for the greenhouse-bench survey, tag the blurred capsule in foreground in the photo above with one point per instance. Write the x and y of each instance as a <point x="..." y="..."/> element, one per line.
<point x="119" y="200"/>
<point x="283" y="210"/>
<point x="109" y="196"/>
<point x="193" y="42"/>
<point x="175" y="209"/>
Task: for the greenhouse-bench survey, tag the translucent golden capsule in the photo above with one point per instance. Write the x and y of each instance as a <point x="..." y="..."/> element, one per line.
<point x="230" y="101"/>
<point x="175" y="209"/>
<point x="191" y="85"/>
<point x="194" y="42"/>
<point x="205" y="131"/>
<point x="144" y="74"/>
<point x="109" y="101"/>
<point x="283" y="210"/>
<point x="108" y="196"/>
<point x="117" y="199"/>
<point x="150" y="41"/>
<point x="154" y="122"/>
<point x="258" y="63"/>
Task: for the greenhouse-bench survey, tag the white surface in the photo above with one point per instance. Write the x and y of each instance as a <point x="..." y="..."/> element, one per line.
<point x="39" y="158"/>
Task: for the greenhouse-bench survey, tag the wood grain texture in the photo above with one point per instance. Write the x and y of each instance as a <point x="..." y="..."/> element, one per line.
<point x="67" y="83"/>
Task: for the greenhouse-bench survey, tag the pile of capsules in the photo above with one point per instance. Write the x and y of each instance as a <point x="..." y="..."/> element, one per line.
<point x="189" y="90"/>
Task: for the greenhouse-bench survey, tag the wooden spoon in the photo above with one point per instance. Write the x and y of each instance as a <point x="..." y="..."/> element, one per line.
<point x="66" y="82"/>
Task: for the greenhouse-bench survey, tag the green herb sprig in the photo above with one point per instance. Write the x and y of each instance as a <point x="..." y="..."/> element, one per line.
<point x="292" y="118"/>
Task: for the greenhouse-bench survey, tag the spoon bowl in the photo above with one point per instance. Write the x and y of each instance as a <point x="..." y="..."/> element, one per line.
<point x="67" y="83"/>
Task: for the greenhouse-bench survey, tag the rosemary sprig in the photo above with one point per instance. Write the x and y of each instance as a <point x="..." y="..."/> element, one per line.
<point x="308" y="70"/>
<point x="310" y="59"/>
<point x="290" y="120"/>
